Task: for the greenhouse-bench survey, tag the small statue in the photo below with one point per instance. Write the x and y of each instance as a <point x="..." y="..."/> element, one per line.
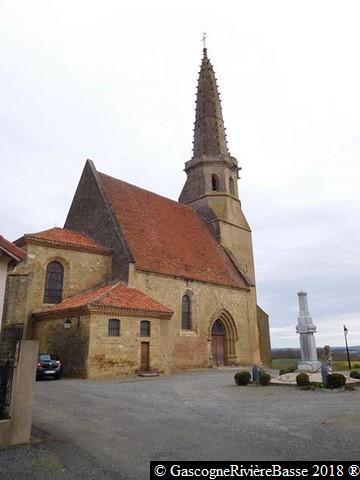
<point x="328" y="356"/>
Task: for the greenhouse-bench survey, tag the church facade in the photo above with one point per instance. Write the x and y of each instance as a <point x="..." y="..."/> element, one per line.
<point x="137" y="282"/>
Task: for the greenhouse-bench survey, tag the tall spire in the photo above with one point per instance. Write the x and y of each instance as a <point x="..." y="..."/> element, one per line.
<point x="211" y="176"/>
<point x="209" y="131"/>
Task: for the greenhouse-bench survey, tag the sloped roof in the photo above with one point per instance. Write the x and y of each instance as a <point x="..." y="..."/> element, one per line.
<point x="64" y="238"/>
<point x="167" y="237"/>
<point x="11" y="250"/>
<point x="109" y="297"/>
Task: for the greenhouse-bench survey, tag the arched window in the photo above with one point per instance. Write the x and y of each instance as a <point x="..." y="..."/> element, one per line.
<point x="54" y="283"/>
<point x="214" y="183"/>
<point x="186" y="313"/>
<point x="144" y="328"/>
<point x="231" y="186"/>
<point x="114" y="328"/>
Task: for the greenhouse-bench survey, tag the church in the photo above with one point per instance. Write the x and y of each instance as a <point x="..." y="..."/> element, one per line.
<point x="136" y="282"/>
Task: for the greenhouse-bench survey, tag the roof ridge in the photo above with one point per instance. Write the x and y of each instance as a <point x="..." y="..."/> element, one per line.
<point x="32" y="234"/>
<point x="42" y="231"/>
<point x="86" y="292"/>
<point x="64" y="236"/>
<point x="148" y="191"/>
<point x="97" y="299"/>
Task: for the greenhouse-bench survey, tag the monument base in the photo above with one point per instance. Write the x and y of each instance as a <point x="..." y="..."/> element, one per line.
<point x="309" y="365"/>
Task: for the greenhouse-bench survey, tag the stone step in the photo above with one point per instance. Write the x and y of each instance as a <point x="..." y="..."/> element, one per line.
<point x="151" y="373"/>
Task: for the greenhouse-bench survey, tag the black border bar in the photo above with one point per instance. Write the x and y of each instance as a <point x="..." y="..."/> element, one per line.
<point x="211" y="470"/>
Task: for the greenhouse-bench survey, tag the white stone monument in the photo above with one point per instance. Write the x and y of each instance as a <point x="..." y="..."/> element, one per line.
<point x="306" y="329"/>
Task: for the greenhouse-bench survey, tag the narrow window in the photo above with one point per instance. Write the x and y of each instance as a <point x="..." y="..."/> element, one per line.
<point x="231" y="186"/>
<point x="214" y="183"/>
<point x="144" y="328"/>
<point x="114" y="327"/>
<point x="186" y="313"/>
<point x="54" y="283"/>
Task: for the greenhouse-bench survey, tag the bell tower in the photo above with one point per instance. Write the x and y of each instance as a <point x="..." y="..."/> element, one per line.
<point x="211" y="186"/>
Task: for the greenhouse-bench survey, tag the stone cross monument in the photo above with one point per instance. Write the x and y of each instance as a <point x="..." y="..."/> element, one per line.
<point x="306" y="329"/>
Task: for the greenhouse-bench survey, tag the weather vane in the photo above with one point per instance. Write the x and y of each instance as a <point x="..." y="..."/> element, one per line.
<point x="204" y="39"/>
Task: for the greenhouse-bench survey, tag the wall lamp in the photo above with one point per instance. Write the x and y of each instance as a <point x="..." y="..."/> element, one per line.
<point x="67" y="323"/>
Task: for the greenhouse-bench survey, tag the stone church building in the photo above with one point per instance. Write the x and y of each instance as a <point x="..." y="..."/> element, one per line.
<point x="137" y="282"/>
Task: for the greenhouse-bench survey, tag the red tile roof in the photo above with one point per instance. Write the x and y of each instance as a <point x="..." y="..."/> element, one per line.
<point x="12" y="250"/>
<point x="111" y="296"/>
<point x="168" y="237"/>
<point x="64" y="238"/>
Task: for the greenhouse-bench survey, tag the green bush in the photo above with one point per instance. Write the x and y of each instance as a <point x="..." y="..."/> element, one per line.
<point x="350" y="388"/>
<point x="355" y="374"/>
<point x="302" y="379"/>
<point x="242" y="378"/>
<point x="264" y="378"/>
<point x="356" y="365"/>
<point x="311" y="387"/>
<point x="335" y="380"/>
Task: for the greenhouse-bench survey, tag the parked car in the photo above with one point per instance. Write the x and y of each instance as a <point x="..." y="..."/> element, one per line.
<point x="48" y="365"/>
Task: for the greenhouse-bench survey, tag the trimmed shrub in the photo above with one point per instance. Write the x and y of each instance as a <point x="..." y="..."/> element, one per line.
<point x="302" y="379"/>
<point x="311" y="387"/>
<point x="350" y="388"/>
<point x="264" y="378"/>
<point x="335" y="380"/>
<point x="355" y="374"/>
<point x="242" y="378"/>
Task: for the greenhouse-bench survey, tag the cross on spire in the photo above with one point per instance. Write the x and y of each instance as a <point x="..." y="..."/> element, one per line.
<point x="204" y="40"/>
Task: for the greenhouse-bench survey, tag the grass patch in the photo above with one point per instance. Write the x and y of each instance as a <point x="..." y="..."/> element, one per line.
<point x="49" y="463"/>
<point x="343" y="365"/>
<point x="284" y="363"/>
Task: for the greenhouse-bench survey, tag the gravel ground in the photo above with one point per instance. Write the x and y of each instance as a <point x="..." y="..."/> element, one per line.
<point x="49" y="459"/>
<point x="113" y="428"/>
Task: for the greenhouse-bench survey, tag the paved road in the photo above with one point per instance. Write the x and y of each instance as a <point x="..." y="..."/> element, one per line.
<point x="121" y="424"/>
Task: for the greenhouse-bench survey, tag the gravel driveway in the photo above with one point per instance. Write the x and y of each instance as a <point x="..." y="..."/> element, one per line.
<point x="123" y="424"/>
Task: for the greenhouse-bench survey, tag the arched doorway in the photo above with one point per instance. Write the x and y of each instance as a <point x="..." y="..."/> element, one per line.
<point x="218" y="343"/>
<point x="222" y="338"/>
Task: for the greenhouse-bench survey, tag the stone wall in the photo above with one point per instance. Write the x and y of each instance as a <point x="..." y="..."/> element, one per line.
<point x="16" y="429"/>
<point x="264" y="335"/>
<point x="115" y="356"/>
<point x="191" y="349"/>
<point x="3" y="272"/>
<point x="25" y="286"/>
<point x="199" y="177"/>
<point x="11" y="334"/>
<point x="91" y="214"/>
<point x="238" y="240"/>
<point x="16" y="298"/>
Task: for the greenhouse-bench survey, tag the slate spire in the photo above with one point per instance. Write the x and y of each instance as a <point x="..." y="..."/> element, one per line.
<point x="209" y="131"/>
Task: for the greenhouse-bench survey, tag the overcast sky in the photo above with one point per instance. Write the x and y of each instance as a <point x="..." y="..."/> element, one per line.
<point x="115" y="82"/>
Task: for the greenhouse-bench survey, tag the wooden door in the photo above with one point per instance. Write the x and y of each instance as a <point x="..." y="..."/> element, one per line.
<point x="145" y="356"/>
<point x="217" y="342"/>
